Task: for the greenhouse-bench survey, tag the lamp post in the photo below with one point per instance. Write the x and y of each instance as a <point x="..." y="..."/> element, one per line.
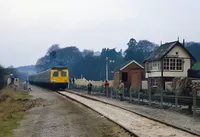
<point x="107" y="68"/>
<point x="108" y="61"/>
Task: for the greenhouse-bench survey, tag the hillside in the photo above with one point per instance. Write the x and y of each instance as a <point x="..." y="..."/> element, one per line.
<point x="30" y="69"/>
<point x="196" y="66"/>
<point x="194" y="49"/>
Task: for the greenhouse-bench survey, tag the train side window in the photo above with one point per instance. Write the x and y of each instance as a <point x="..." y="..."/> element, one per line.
<point x="55" y="74"/>
<point x="63" y="74"/>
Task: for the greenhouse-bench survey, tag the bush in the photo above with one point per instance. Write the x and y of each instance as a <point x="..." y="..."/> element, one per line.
<point x="2" y="71"/>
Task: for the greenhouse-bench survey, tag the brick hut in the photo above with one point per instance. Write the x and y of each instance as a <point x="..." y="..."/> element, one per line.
<point x="131" y="73"/>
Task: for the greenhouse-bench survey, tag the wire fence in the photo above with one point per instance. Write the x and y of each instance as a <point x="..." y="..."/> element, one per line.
<point x="160" y="99"/>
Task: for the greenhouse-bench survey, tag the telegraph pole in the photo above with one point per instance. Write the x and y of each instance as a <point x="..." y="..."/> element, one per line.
<point x="106" y="68"/>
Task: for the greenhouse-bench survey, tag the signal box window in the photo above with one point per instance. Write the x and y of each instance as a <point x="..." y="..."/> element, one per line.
<point x="55" y="74"/>
<point x="63" y="74"/>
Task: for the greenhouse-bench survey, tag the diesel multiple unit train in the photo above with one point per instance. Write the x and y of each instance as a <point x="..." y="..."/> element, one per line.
<point x="54" y="78"/>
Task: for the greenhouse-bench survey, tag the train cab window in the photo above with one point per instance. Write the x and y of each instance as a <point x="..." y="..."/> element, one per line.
<point x="63" y="74"/>
<point x="55" y="74"/>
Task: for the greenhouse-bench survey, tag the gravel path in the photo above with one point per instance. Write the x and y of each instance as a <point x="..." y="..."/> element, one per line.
<point x="172" y="117"/>
<point x="60" y="117"/>
<point x="140" y="125"/>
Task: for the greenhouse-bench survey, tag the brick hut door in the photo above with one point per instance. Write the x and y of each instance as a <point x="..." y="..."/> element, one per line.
<point x="135" y="80"/>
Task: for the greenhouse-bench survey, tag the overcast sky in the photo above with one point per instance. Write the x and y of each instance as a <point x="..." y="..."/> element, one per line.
<point x="29" y="27"/>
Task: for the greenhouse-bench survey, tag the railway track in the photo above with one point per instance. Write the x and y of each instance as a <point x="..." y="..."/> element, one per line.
<point x="134" y="123"/>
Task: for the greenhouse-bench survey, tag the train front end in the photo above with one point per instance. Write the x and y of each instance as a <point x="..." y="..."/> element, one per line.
<point x="59" y="78"/>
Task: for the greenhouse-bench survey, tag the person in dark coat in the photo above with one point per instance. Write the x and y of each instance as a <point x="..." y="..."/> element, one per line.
<point x="89" y="88"/>
<point x="12" y="78"/>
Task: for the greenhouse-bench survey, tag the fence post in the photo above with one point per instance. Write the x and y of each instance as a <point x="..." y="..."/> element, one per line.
<point x="149" y="90"/>
<point x="176" y="98"/>
<point x="130" y="93"/>
<point x="194" y="101"/>
<point x="161" y="99"/>
<point x="123" y="94"/>
<point x="116" y="93"/>
<point x="107" y="91"/>
<point x="111" y="92"/>
<point x="93" y="90"/>
<point x="139" y="95"/>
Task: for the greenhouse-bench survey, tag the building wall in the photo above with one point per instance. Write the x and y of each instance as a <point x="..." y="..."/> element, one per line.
<point x="116" y="79"/>
<point x="179" y="73"/>
<point x="145" y="84"/>
<point x="153" y="74"/>
<point x="136" y="78"/>
<point x="187" y="61"/>
<point x="181" y="52"/>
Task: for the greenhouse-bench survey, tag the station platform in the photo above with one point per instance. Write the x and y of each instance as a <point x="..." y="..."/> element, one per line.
<point x="166" y="115"/>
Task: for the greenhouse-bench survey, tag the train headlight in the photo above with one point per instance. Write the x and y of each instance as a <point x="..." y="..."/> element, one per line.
<point x="53" y="81"/>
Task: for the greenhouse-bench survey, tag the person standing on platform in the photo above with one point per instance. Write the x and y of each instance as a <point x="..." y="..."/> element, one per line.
<point x="89" y="88"/>
<point x="106" y="85"/>
<point x="121" y="90"/>
<point x="12" y="78"/>
<point x="73" y="80"/>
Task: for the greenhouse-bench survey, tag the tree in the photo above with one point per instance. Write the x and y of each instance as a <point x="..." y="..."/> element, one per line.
<point x="2" y="72"/>
<point x="138" y="51"/>
<point x="115" y="60"/>
<point x="87" y="53"/>
<point x="193" y="48"/>
<point x="143" y="49"/>
<point x="129" y="52"/>
<point x="54" y="47"/>
<point x="132" y="43"/>
<point x="42" y="63"/>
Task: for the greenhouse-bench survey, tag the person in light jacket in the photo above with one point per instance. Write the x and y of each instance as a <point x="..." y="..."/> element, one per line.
<point x="121" y="90"/>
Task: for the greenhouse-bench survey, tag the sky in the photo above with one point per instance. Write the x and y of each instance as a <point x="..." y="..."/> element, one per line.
<point x="29" y="27"/>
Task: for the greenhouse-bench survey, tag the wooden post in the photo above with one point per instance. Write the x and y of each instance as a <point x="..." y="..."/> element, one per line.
<point x="116" y="93"/>
<point x="149" y="90"/>
<point x="139" y="95"/>
<point x="161" y="99"/>
<point x="123" y="93"/>
<point x="194" y="101"/>
<point x="176" y="98"/>
<point x="111" y="92"/>
<point x="107" y="91"/>
<point x="130" y="94"/>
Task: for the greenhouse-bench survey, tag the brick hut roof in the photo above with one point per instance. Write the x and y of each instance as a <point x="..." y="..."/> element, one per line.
<point x="127" y="63"/>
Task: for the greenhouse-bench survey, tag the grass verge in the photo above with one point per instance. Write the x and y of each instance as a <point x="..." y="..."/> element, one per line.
<point x="13" y="106"/>
<point x="196" y="66"/>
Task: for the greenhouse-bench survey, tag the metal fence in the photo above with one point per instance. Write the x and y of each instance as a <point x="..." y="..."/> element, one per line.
<point x="159" y="99"/>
